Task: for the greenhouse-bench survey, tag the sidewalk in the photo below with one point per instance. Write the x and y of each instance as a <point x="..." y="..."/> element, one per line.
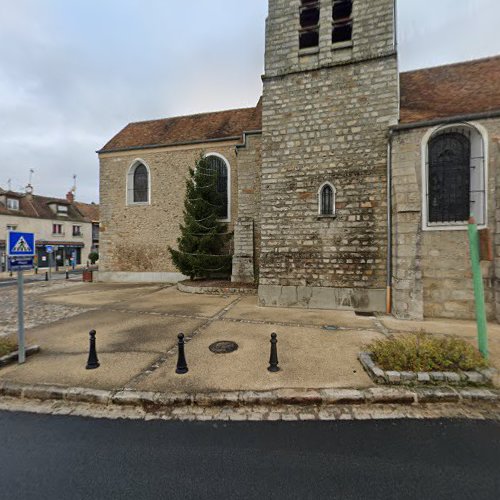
<point x="41" y="271"/>
<point x="137" y="327"/>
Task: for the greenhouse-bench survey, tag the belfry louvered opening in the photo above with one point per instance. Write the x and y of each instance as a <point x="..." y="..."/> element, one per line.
<point x="309" y="24"/>
<point x="342" y="21"/>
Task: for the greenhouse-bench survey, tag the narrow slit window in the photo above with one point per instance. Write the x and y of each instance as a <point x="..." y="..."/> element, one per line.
<point x="327" y="200"/>
<point x="342" y="21"/>
<point x="309" y="24"/>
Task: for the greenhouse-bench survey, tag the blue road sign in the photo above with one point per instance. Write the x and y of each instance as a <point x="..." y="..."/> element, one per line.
<point x="49" y="248"/>
<point x="21" y="263"/>
<point x="20" y="244"/>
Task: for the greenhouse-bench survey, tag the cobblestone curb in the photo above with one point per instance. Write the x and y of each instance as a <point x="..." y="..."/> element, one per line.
<point x="292" y="397"/>
<point x="13" y="356"/>
<point x="215" y="290"/>
<point x="469" y="378"/>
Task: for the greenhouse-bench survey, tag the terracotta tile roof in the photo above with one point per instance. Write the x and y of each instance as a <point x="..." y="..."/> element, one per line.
<point x="89" y="211"/>
<point x="187" y="129"/>
<point x="37" y="206"/>
<point x="446" y="91"/>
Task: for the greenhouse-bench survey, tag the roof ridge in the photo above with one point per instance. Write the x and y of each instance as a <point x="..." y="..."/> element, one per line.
<point x="253" y="108"/>
<point x="458" y="63"/>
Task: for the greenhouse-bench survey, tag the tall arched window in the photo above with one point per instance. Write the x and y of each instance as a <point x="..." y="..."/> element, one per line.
<point x="138" y="183"/>
<point x="326" y="195"/>
<point x="220" y="166"/>
<point x="455" y="177"/>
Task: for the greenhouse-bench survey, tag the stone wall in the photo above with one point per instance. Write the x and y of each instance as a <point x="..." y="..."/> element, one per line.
<point x="247" y="229"/>
<point x="135" y="238"/>
<point x="432" y="272"/>
<point x="326" y="120"/>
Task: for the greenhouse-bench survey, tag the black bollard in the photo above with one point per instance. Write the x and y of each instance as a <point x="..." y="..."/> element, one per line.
<point x="92" y="362"/>
<point x="46" y="276"/>
<point x="273" y="360"/>
<point x="182" y="367"/>
<point x="67" y="275"/>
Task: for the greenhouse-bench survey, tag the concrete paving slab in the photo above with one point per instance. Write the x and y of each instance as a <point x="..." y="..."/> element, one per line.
<point x="99" y="294"/>
<point x="171" y="301"/>
<point x="248" y="309"/>
<point x="309" y="358"/>
<point x="69" y="369"/>
<point x="116" y="332"/>
<point x="444" y="326"/>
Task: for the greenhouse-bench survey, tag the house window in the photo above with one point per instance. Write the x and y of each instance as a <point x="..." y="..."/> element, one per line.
<point x="342" y="21"/>
<point x="455" y="177"/>
<point x="309" y="24"/>
<point x="57" y="229"/>
<point x="326" y="200"/>
<point x="219" y="165"/>
<point x="77" y="231"/>
<point x="11" y="227"/>
<point x="12" y="204"/>
<point x="62" y="209"/>
<point x="138" y="184"/>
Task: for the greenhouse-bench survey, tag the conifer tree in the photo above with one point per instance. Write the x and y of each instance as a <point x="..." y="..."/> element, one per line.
<point x="202" y="246"/>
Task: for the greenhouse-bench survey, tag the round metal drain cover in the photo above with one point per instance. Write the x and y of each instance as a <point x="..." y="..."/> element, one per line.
<point x="331" y="328"/>
<point x="223" y="347"/>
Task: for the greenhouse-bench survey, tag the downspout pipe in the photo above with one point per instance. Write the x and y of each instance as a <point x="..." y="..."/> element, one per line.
<point x="389" y="224"/>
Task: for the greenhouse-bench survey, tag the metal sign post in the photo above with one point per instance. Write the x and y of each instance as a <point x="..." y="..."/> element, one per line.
<point x="21" y="251"/>
<point x="21" y="349"/>
<point x="49" y="249"/>
<point x="477" y="279"/>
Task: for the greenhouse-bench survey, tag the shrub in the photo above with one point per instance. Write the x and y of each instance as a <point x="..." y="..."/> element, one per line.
<point x="424" y="353"/>
<point x="7" y="345"/>
<point x="203" y="243"/>
<point x="93" y="257"/>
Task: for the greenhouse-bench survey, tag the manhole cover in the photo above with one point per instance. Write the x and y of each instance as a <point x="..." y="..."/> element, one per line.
<point x="223" y="347"/>
<point x="330" y="328"/>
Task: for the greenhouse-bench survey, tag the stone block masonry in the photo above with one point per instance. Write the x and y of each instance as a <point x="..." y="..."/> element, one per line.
<point x="326" y="120"/>
<point x="432" y="272"/>
<point x="135" y="238"/>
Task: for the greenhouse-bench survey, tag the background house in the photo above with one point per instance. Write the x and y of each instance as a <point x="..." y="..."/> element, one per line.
<point x="63" y="223"/>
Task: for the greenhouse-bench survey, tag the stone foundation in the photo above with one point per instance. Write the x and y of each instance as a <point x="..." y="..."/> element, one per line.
<point x="363" y="300"/>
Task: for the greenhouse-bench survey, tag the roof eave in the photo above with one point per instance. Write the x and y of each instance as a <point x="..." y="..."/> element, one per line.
<point x="485" y="115"/>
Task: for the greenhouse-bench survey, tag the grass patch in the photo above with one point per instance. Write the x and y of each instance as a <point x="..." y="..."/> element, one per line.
<point x="425" y="353"/>
<point x="7" y="345"/>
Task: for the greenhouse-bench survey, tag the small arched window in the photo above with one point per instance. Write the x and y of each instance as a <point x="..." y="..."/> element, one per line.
<point x="326" y="200"/>
<point x="138" y="184"/>
<point x="219" y="165"/>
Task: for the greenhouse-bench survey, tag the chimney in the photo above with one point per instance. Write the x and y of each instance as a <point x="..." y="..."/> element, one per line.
<point x="70" y="196"/>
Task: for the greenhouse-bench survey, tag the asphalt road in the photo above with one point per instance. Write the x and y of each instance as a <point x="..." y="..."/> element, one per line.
<point x="52" y="457"/>
<point x="60" y="275"/>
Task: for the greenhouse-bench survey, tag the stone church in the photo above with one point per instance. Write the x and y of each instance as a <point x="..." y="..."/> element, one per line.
<point x="348" y="186"/>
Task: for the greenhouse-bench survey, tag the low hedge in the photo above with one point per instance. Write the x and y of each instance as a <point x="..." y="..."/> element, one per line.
<point x="7" y="345"/>
<point x="426" y="353"/>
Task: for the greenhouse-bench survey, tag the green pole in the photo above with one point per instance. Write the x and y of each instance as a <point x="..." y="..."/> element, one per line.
<point x="482" y="327"/>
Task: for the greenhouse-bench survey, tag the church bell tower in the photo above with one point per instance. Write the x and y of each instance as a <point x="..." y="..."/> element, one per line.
<point x="330" y="96"/>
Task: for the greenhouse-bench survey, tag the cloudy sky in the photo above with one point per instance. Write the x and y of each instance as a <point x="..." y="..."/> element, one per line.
<point x="74" y="72"/>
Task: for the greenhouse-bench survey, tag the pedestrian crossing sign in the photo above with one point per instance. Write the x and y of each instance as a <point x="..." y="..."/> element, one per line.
<point x="20" y="244"/>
